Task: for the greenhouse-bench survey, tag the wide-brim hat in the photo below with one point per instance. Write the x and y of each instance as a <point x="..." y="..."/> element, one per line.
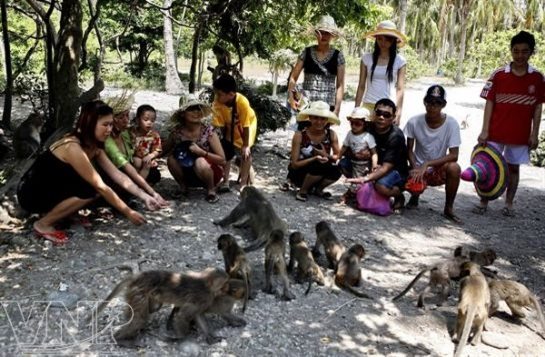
<point x="327" y="24"/>
<point x="191" y="100"/>
<point x="388" y="28"/>
<point x="360" y="113"/>
<point x="121" y="103"/>
<point x="488" y="171"/>
<point x="319" y="109"/>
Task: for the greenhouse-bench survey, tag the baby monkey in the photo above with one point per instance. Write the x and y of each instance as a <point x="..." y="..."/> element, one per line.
<point x="274" y="260"/>
<point x="193" y="293"/>
<point x="516" y="296"/>
<point x="236" y="264"/>
<point x="332" y="246"/>
<point x="301" y="259"/>
<point x="348" y="272"/>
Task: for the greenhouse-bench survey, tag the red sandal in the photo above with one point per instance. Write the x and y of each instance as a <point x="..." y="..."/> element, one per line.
<point x="57" y="237"/>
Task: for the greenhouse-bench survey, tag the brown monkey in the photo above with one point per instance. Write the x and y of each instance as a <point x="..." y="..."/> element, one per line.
<point x="256" y="211"/>
<point x="274" y="260"/>
<point x="348" y="272"/>
<point x="236" y="264"/>
<point x="193" y="293"/>
<point x="26" y="138"/>
<point x="222" y="305"/>
<point x="334" y="249"/>
<point x="472" y="306"/>
<point x="516" y="296"/>
<point x="442" y="273"/>
<point x="300" y="256"/>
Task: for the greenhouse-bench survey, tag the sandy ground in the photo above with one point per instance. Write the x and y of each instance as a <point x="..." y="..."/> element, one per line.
<point x="327" y="322"/>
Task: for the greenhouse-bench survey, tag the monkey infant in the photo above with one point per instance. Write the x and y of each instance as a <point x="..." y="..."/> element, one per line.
<point x="236" y="264"/>
<point x="332" y="246"/>
<point x="348" y="272"/>
<point x="301" y="258"/>
<point x="274" y="260"/>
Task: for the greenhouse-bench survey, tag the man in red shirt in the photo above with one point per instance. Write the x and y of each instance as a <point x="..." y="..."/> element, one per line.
<point x="514" y="95"/>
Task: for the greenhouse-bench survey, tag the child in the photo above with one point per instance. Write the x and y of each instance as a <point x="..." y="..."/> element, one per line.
<point x="357" y="140"/>
<point x="147" y="142"/>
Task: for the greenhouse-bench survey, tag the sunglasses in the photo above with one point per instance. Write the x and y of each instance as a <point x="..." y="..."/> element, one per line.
<point x="384" y="114"/>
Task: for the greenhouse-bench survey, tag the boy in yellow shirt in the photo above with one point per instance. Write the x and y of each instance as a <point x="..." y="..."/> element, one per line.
<point x="237" y="120"/>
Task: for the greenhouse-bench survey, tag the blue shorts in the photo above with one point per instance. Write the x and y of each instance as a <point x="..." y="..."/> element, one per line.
<point x="391" y="179"/>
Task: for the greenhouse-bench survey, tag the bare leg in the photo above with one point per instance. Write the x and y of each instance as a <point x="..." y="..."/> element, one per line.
<point x="451" y="188"/>
<point x="512" y="185"/>
<point x="177" y="173"/>
<point x="323" y="185"/>
<point x="203" y="170"/>
<point x="226" y="172"/>
<point x="394" y="192"/>
<point x="63" y="209"/>
<point x="245" y="165"/>
<point x="309" y="182"/>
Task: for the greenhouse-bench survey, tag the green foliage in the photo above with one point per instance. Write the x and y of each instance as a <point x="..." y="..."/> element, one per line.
<point x="32" y="87"/>
<point x="416" y="68"/>
<point x="537" y="157"/>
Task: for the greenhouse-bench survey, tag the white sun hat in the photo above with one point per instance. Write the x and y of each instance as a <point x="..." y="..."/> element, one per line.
<point x="318" y="109"/>
<point x="388" y="28"/>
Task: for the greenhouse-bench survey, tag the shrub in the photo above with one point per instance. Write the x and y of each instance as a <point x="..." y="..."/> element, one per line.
<point x="537" y="157"/>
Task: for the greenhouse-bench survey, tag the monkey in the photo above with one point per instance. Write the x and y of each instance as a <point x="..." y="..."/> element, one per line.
<point x="516" y="296"/>
<point x="472" y="306"/>
<point x="348" y="272"/>
<point x="274" y="259"/>
<point x="484" y="258"/>
<point x="192" y="292"/>
<point x="222" y="305"/>
<point x="255" y="210"/>
<point x="26" y="138"/>
<point x="236" y="264"/>
<point x="334" y="249"/>
<point x="4" y="145"/>
<point x="442" y="273"/>
<point x="300" y="255"/>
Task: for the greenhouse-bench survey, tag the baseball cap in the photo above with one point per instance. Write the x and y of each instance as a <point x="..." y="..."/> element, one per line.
<point x="436" y="92"/>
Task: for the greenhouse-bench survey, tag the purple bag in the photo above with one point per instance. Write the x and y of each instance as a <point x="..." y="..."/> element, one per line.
<point x="369" y="200"/>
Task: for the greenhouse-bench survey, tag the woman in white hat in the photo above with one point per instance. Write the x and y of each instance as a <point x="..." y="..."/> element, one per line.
<point x="314" y="151"/>
<point x="195" y="154"/>
<point x="382" y="73"/>
<point x="119" y="147"/>
<point x="323" y="66"/>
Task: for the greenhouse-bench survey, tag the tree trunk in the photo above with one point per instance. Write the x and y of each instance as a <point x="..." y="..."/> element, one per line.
<point x="173" y="84"/>
<point x="6" y="115"/>
<point x="274" y="82"/>
<point x="194" y="58"/>
<point x="201" y="69"/>
<point x="465" y="5"/>
<point x="451" y="32"/>
<point x="402" y="15"/>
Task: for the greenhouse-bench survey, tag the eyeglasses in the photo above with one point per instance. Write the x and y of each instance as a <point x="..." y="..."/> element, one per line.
<point x="384" y="114"/>
<point x="433" y="103"/>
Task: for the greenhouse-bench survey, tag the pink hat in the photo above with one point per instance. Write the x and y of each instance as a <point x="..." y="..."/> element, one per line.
<point x="488" y="171"/>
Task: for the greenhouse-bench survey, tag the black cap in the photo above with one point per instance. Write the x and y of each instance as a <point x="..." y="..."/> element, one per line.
<point x="436" y="92"/>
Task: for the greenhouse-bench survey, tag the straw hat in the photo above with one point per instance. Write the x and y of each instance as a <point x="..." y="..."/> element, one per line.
<point x="191" y="100"/>
<point x="388" y="28"/>
<point x="359" y="113"/>
<point x="488" y="171"/>
<point x="121" y="103"/>
<point x="319" y="109"/>
<point x="327" y="24"/>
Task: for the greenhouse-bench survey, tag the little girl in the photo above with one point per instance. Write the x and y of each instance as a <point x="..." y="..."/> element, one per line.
<point x="147" y="142"/>
<point x="356" y="141"/>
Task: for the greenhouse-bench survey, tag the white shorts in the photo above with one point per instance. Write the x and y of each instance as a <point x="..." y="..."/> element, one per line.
<point x="514" y="154"/>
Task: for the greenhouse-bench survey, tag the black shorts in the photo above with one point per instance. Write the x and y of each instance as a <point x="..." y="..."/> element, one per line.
<point x="327" y="171"/>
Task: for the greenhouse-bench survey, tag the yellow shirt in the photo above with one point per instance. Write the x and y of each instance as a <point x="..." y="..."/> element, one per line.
<point x="245" y="118"/>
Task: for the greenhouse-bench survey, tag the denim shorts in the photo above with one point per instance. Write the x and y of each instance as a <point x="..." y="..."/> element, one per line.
<point x="391" y="179"/>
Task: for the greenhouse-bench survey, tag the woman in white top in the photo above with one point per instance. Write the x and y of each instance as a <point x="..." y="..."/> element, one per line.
<point x="382" y="73"/>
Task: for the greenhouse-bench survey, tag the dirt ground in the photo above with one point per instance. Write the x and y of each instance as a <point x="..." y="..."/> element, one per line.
<point x="327" y="322"/>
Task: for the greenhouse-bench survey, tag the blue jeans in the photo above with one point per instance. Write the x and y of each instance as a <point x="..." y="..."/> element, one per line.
<point x="391" y="179"/>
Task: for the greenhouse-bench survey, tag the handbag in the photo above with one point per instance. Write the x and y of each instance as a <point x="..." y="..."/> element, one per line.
<point x="370" y="201"/>
<point x="228" y="146"/>
<point x="183" y="155"/>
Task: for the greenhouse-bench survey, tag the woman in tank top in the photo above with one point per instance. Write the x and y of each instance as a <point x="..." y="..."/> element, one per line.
<point x="63" y="179"/>
<point x="382" y="73"/>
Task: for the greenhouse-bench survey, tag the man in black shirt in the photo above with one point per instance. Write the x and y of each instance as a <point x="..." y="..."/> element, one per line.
<point x="393" y="169"/>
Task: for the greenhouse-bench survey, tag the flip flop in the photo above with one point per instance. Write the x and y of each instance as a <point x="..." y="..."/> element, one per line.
<point x="284" y="187"/>
<point x="452" y="217"/>
<point x="224" y="188"/>
<point x="325" y="195"/>
<point x="57" y="237"/>
<point x="303" y="197"/>
<point x="413" y="203"/>
<point x="508" y="212"/>
<point x="212" y="198"/>
<point x="481" y="210"/>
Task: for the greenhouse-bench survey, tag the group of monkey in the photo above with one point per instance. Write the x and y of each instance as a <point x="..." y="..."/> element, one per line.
<point x="215" y="291"/>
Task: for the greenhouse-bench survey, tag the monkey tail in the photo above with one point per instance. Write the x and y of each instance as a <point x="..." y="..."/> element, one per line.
<point x="356" y="292"/>
<point x="247" y="293"/>
<point x="411" y="284"/>
<point x="537" y="305"/>
<point x="468" y="323"/>
<point x="309" y="275"/>
<point x="113" y="294"/>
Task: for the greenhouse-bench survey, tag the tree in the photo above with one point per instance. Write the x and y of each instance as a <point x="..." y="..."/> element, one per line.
<point x="173" y="84"/>
<point x="464" y="7"/>
<point x="6" y="116"/>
